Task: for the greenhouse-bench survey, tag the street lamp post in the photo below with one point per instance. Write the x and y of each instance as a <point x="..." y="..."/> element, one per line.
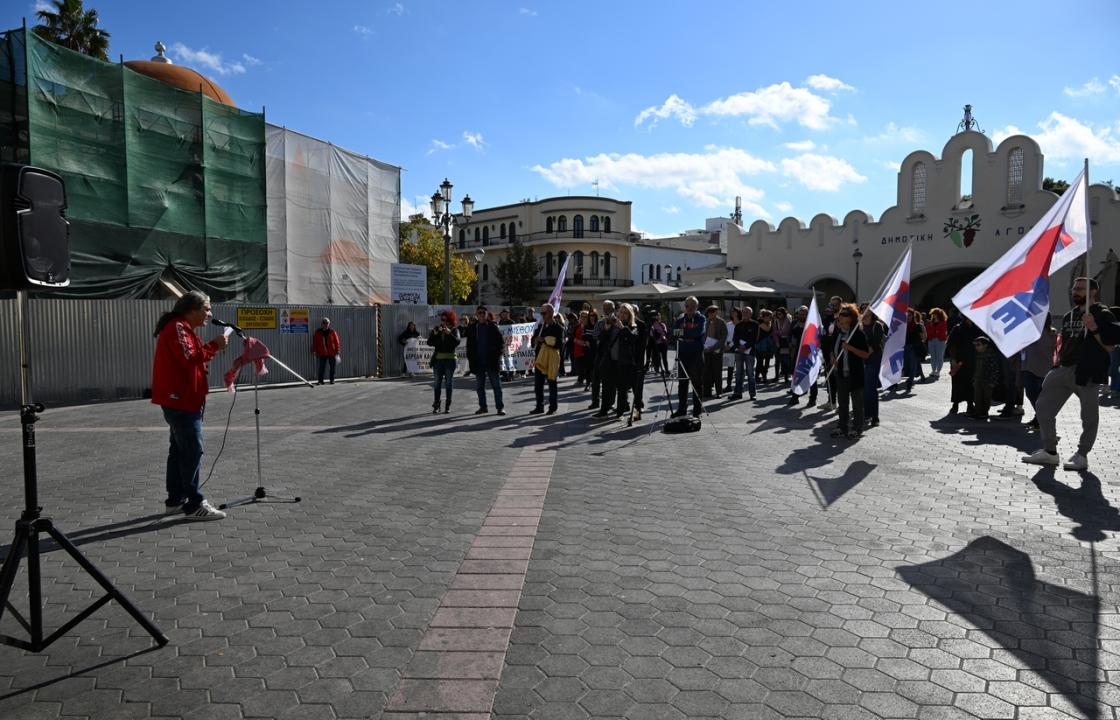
<point x="857" y="256"/>
<point x="479" y="256"/>
<point x="441" y="214"/>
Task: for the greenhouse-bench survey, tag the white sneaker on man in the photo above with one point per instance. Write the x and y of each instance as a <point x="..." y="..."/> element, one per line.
<point x="206" y="511"/>
<point x="1077" y="462"/>
<point x="1042" y="457"/>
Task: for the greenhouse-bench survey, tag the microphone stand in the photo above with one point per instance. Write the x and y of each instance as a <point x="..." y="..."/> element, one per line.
<point x="260" y="495"/>
<point x="31" y="523"/>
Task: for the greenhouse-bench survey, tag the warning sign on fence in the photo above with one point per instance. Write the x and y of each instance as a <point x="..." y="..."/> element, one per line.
<point x="256" y="318"/>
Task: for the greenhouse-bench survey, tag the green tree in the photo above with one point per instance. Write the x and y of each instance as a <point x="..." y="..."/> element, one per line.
<point x="421" y="243"/>
<point x="517" y="273"/>
<point x="70" y="25"/>
<point x="1055" y="186"/>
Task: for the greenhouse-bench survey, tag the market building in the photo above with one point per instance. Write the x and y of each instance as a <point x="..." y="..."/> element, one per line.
<point x="959" y="212"/>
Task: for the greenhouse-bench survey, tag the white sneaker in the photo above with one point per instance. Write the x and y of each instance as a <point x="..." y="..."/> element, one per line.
<point x="1077" y="462"/>
<point x="206" y="511"/>
<point x="1041" y="457"/>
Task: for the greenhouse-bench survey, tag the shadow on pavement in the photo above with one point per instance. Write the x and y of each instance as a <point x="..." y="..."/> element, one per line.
<point x="816" y="453"/>
<point x="76" y="673"/>
<point x="1086" y="506"/>
<point x="990" y="432"/>
<point x="829" y="490"/>
<point x="124" y="528"/>
<point x="1050" y="628"/>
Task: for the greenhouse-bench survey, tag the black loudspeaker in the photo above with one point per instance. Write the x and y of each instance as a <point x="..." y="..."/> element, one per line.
<point x="34" y="233"/>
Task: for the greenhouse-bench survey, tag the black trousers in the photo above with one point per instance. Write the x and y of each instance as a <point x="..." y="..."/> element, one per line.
<point x="692" y="367"/>
<point x="847" y="394"/>
<point x="713" y="373"/>
<point x="325" y="360"/>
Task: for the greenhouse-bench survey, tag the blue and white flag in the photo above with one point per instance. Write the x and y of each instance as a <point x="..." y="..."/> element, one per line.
<point x="892" y="305"/>
<point x="809" y="362"/>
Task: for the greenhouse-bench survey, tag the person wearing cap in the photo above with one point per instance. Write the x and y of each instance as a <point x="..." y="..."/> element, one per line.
<point x="327" y="345"/>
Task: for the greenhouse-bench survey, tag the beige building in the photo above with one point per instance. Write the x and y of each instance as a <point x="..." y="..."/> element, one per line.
<point x="593" y="231"/>
<point x="959" y="212"/>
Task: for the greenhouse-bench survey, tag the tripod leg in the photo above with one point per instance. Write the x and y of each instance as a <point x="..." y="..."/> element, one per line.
<point x="106" y="585"/>
<point x="34" y="589"/>
<point x="11" y="565"/>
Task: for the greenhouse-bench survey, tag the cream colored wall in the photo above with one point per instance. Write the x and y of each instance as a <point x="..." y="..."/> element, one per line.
<point x="805" y="255"/>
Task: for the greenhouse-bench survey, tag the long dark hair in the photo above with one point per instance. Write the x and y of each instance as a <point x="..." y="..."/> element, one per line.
<point x="193" y="300"/>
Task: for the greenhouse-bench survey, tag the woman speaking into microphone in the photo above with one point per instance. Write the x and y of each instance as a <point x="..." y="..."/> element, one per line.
<point x="179" y="386"/>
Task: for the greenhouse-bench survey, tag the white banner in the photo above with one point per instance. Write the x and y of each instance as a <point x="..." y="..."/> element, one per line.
<point x="517" y="356"/>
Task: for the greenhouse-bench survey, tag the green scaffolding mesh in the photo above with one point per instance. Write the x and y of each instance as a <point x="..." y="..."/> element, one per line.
<point x="159" y="181"/>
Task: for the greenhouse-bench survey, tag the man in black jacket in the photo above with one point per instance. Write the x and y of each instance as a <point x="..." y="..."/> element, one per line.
<point x="1086" y="344"/>
<point x="484" y="351"/>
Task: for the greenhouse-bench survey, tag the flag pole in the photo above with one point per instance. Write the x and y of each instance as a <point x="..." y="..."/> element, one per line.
<point x="1088" y="248"/>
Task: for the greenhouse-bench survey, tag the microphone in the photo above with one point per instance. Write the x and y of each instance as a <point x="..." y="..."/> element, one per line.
<point x="223" y="323"/>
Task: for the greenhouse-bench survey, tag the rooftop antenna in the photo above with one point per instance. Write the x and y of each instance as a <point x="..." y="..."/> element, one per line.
<point x="596" y="186"/>
<point x="737" y="216"/>
<point x="969" y="123"/>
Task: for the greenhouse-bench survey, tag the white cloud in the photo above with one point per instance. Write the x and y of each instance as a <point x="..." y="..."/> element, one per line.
<point x="42" y="5"/>
<point x="783" y="206"/>
<point x="824" y="82"/>
<point x="1066" y="138"/>
<point x="803" y="146"/>
<point x="780" y="102"/>
<point x="250" y="60"/>
<point x="364" y="31"/>
<point x="1092" y="87"/>
<point x="205" y="59"/>
<point x="408" y="209"/>
<point x="438" y="145"/>
<point x="672" y="107"/>
<point x="709" y="179"/>
<point x="397" y="9"/>
<point x="894" y="133"/>
<point x="671" y="210"/>
<point x="892" y="166"/>
<point x="473" y="139"/>
<point x="821" y="172"/>
<point x="1114" y="81"/>
<point x="527" y="11"/>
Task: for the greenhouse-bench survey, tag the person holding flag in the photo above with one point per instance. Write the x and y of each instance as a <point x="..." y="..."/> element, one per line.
<point x="892" y="306"/>
<point x="807" y="367"/>
<point x="849" y="350"/>
<point x="1087" y="339"/>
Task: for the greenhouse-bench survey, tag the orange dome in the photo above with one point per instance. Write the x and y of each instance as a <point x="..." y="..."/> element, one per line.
<point x="181" y="77"/>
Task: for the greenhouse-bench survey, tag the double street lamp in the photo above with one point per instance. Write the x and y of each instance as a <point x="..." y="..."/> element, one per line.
<point x="857" y="256"/>
<point x="441" y="215"/>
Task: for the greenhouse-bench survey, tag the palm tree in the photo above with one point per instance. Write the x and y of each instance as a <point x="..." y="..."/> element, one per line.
<point x="72" y="26"/>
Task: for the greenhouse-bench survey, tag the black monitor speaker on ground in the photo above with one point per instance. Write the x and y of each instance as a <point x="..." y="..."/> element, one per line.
<point x="34" y="233"/>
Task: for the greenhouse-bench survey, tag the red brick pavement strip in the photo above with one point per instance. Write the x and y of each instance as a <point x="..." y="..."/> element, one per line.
<point x="454" y="674"/>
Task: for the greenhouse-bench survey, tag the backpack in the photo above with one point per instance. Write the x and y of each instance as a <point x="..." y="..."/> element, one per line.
<point x="681" y="425"/>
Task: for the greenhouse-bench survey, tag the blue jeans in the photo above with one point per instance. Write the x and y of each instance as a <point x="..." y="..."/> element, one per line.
<point x="744" y="364"/>
<point x="480" y="387"/>
<point x="184" y="458"/>
<point x="936" y="356"/>
<point x="444" y="371"/>
<point x="871" y="386"/>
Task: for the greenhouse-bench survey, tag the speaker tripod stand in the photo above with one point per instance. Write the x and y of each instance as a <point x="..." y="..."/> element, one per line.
<point x="32" y="524"/>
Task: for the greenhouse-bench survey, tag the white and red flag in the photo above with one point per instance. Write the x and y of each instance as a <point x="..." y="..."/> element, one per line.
<point x="1010" y="300"/>
<point x="892" y="305"/>
<point x="808" y="364"/>
<point x="255" y="353"/>
<point x="554" y="298"/>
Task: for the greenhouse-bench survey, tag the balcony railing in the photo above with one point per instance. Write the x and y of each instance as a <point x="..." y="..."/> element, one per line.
<point x="577" y="282"/>
<point x="528" y="238"/>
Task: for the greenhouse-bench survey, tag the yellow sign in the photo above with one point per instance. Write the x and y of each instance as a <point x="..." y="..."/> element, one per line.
<point x="256" y="318"/>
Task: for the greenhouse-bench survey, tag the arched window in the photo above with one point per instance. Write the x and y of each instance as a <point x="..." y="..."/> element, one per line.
<point x="548" y="225"/>
<point x="577" y="226"/>
<point x="918" y="189"/>
<point x="477" y="235"/>
<point x="502" y="231"/>
<point x="669" y="273"/>
<point x="606" y="264"/>
<point x="462" y="239"/>
<point x="577" y="256"/>
<point x="594" y="263"/>
<point x="485" y="271"/>
<point x="486" y="235"/>
<point x="512" y="232"/>
<point x="966" y="179"/>
<point x="657" y="272"/>
<point x="548" y="264"/>
<point x="1015" y="176"/>
<point x="606" y="224"/>
<point x="594" y="223"/>
<point x="560" y="258"/>
<point x="562" y="223"/>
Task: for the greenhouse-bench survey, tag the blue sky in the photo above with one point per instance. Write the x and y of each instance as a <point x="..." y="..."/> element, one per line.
<point x="799" y="107"/>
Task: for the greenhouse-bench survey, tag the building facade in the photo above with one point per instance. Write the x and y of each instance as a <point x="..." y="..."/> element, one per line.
<point x="959" y="212"/>
<point x="594" y="232"/>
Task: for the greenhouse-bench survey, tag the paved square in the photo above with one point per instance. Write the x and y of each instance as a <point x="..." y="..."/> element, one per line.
<point x="557" y="567"/>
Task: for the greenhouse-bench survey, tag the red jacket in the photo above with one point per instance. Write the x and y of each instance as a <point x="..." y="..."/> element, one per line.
<point x="326" y="343"/>
<point x="180" y="368"/>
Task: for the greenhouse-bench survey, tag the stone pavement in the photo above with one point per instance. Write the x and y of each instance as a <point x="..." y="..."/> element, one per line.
<point x="557" y="567"/>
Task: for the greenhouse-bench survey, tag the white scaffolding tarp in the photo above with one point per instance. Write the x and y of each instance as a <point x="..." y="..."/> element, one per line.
<point x="332" y="222"/>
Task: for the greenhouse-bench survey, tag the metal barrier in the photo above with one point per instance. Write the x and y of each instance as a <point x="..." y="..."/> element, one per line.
<point x="91" y="350"/>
